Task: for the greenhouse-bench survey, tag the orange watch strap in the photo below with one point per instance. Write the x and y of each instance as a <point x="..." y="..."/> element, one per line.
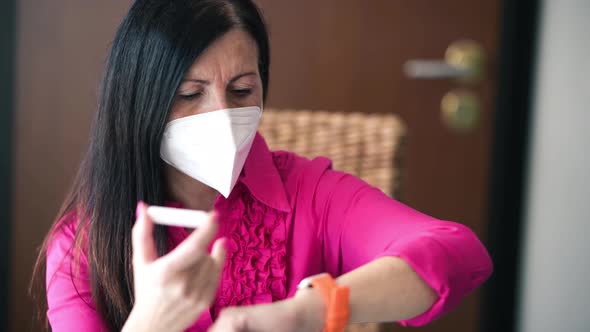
<point x="336" y="298"/>
<point x="339" y="314"/>
<point x="324" y="283"/>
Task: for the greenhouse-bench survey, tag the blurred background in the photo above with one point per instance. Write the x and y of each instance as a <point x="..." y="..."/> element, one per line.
<point x="493" y="96"/>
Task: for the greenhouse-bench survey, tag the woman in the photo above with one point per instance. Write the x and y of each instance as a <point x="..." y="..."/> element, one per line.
<point x="176" y="125"/>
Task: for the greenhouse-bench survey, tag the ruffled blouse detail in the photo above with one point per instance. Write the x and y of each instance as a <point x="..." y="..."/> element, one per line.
<point x="255" y="268"/>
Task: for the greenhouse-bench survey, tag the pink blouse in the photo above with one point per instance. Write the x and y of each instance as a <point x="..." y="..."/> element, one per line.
<point x="288" y="218"/>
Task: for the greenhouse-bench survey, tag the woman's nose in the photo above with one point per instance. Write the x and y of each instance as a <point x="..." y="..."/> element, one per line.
<point x="219" y="101"/>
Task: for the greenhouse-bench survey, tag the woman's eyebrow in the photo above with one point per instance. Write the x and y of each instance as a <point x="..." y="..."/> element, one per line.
<point x="205" y="82"/>
<point x="237" y="77"/>
<point x="190" y="79"/>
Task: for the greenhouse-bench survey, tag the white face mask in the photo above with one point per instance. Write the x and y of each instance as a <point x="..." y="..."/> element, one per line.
<point x="211" y="147"/>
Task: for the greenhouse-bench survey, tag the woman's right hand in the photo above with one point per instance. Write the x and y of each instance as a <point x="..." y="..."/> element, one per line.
<point x="173" y="290"/>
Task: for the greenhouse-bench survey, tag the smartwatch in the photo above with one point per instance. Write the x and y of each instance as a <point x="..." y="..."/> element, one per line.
<point x="336" y="299"/>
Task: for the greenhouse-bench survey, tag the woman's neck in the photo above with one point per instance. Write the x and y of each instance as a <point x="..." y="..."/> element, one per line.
<point x="191" y="193"/>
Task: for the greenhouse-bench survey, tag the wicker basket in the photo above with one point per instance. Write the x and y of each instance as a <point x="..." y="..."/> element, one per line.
<point x="366" y="145"/>
<point x="369" y="146"/>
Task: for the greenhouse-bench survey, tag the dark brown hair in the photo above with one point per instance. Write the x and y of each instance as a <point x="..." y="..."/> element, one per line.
<point x="154" y="46"/>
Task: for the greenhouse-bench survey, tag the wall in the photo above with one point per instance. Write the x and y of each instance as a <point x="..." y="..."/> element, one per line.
<point x="555" y="295"/>
<point x="61" y="47"/>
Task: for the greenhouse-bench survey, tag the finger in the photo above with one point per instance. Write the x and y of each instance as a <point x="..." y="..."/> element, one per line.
<point x="208" y="277"/>
<point x="144" y="249"/>
<point x="194" y="246"/>
<point x="219" y="252"/>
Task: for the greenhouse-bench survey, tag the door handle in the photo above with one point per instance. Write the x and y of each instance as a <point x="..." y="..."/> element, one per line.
<point x="460" y="110"/>
<point x="464" y="61"/>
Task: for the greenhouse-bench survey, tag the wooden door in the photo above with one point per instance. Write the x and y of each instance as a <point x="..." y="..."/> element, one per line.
<point x="348" y="55"/>
<point x="327" y="54"/>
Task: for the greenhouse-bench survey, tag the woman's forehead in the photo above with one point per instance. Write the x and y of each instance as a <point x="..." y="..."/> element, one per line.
<point x="233" y="53"/>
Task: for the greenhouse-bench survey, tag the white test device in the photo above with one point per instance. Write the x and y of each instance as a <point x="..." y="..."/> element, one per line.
<point x="177" y="217"/>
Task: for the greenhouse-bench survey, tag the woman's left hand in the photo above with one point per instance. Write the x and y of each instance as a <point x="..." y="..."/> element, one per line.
<point x="302" y="313"/>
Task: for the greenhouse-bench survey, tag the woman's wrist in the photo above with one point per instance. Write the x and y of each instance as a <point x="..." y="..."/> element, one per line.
<point x="310" y="310"/>
<point x="135" y="322"/>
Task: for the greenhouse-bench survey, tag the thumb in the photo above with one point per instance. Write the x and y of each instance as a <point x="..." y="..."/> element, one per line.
<point x="144" y="249"/>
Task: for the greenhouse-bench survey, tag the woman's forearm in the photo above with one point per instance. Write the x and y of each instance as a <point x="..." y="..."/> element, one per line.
<point x="386" y="289"/>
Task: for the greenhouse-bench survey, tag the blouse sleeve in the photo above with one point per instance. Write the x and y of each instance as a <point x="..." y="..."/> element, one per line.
<point x="69" y="299"/>
<point x="359" y="223"/>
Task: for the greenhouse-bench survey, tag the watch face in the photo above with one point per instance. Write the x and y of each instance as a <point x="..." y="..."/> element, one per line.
<point x="305" y="283"/>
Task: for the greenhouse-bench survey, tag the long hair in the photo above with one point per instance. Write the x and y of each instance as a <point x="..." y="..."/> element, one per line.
<point x="155" y="45"/>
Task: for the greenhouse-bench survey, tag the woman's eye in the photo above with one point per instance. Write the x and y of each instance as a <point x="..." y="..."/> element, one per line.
<point x="190" y="96"/>
<point x="242" y="92"/>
